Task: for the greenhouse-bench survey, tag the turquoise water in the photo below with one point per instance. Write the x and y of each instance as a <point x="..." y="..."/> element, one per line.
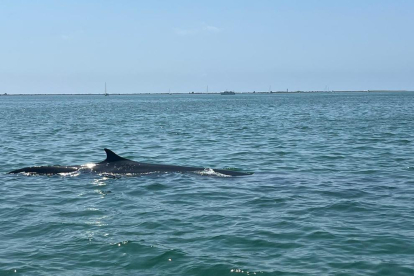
<point x="332" y="192"/>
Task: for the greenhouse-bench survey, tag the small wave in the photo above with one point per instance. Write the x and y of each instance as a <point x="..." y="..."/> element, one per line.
<point x="122" y="243"/>
<point x="247" y="272"/>
<point x="211" y="172"/>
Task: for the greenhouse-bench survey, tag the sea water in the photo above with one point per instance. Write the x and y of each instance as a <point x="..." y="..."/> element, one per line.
<point x="332" y="191"/>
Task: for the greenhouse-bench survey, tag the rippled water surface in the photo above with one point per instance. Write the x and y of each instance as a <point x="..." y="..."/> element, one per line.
<point x="332" y="193"/>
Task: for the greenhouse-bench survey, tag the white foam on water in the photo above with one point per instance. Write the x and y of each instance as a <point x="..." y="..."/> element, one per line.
<point x="211" y="172"/>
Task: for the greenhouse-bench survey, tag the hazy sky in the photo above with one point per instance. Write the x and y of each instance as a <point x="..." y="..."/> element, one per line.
<point x="153" y="46"/>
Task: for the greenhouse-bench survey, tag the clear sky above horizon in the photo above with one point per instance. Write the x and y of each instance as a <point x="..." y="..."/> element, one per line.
<point x="182" y="46"/>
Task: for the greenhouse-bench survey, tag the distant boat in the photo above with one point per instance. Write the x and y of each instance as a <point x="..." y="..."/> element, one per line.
<point x="106" y="94"/>
<point x="227" y="93"/>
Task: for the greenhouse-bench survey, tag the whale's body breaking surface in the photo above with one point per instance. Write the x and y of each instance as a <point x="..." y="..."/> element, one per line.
<point x="115" y="164"/>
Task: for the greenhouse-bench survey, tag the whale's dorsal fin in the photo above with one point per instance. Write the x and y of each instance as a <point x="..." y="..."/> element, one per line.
<point x="112" y="156"/>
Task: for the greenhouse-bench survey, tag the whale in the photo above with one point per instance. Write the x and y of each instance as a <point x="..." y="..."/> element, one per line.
<point x="117" y="165"/>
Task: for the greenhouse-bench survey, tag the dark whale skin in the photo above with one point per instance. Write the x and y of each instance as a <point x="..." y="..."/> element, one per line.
<point x="47" y="169"/>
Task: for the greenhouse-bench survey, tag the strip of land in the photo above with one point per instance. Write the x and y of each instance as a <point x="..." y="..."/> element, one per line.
<point x="209" y="93"/>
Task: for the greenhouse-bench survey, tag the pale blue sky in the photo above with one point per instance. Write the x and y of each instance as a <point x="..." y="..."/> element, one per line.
<point x="153" y="46"/>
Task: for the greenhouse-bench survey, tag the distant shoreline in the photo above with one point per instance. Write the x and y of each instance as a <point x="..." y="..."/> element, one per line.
<point x="205" y="93"/>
